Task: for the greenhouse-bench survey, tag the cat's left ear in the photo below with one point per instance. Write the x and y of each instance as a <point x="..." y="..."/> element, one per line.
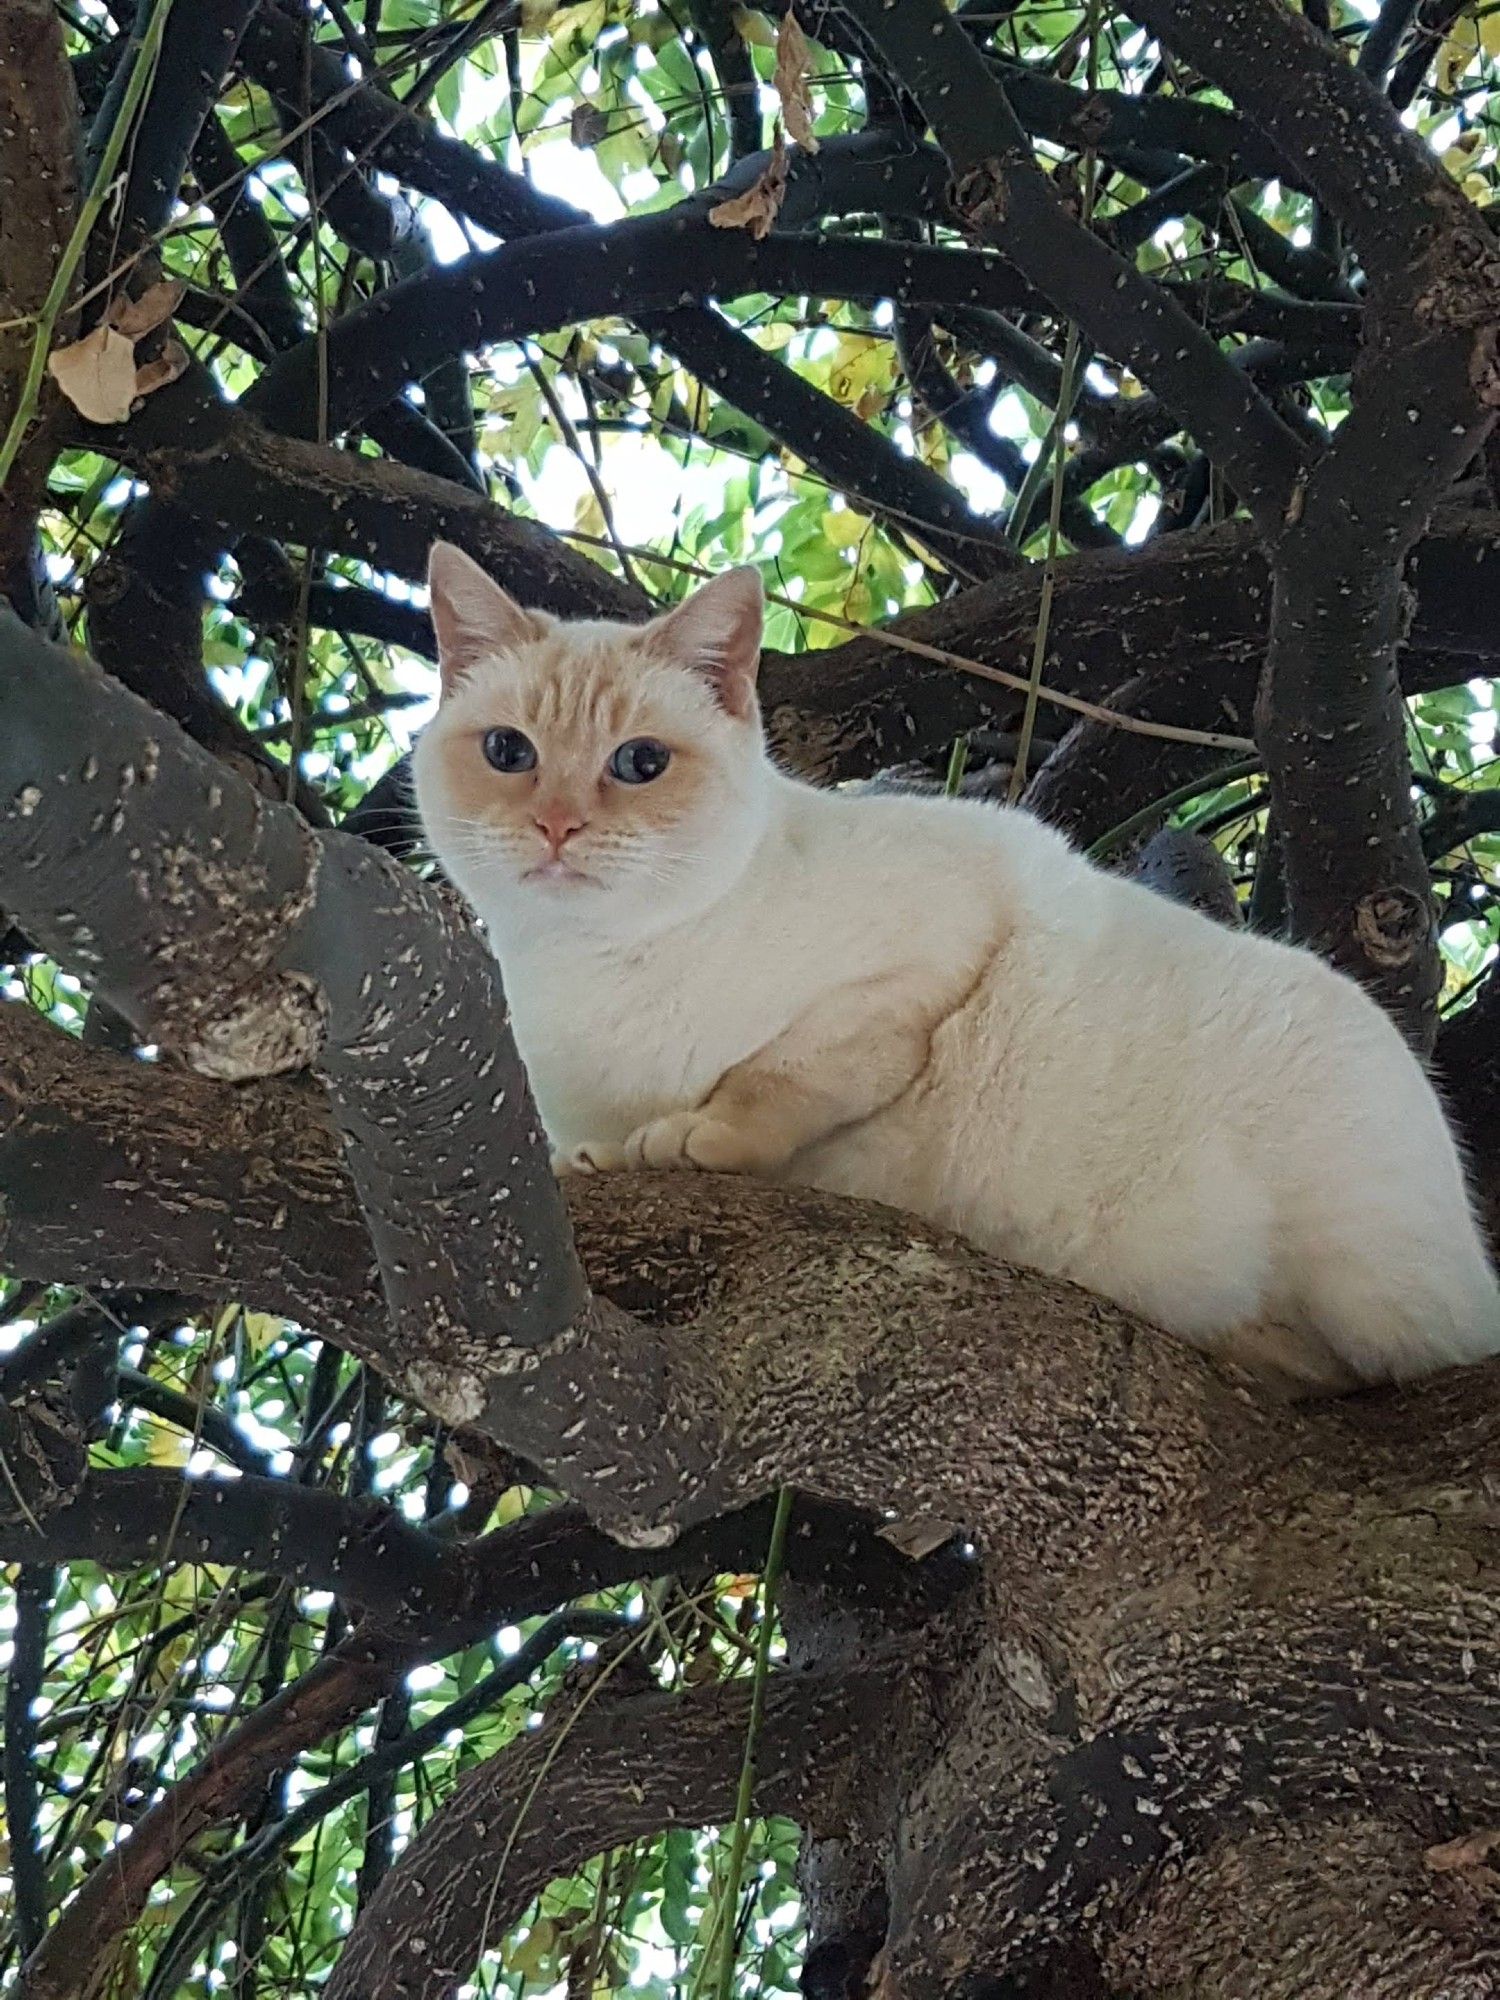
<point x="717" y="632"/>
<point x="473" y="618"/>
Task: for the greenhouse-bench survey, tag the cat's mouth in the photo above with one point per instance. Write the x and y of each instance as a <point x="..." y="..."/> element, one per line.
<point x="555" y="870"/>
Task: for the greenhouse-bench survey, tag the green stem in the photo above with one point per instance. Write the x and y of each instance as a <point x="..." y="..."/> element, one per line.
<point x="141" y="72"/>
<point x="1117" y="836"/>
<point x="741" y="1841"/>
<point x="958" y="763"/>
<point x="1056" y="446"/>
<point x="1068" y="392"/>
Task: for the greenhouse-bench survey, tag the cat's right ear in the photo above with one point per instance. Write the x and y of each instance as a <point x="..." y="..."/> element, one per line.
<point x="474" y="619"/>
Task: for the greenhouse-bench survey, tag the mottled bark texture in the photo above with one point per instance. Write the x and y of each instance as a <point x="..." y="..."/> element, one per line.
<point x="1426" y="391"/>
<point x="1273" y="1622"/>
<point x="1210" y="1711"/>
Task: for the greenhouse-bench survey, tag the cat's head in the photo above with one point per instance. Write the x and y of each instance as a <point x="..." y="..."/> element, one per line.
<point x="586" y="775"/>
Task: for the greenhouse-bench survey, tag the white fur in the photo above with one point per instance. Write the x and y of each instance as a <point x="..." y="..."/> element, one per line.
<point x="1216" y="1130"/>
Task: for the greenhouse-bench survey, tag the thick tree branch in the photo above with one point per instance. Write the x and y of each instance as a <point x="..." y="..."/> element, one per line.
<point x="474" y="1249"/>
<point x="34" y="1589"/>
<point x="864" y="171"/>
<point x="235" y="883"/>
<point x="232" y="472"/>
<point x="1004" y="198"/>
<point x="618" y="1770"/>
<point x="197" y="48"/>
<point x="1192" y="606"/>
<point x="1338" y="132"/>
<point x="249" y="1864"/>
<point x="1330" y="719"/>
<point x="1189" y="612"/>
<point x="329" y="1697"/>
<point x="712" y="1260"/>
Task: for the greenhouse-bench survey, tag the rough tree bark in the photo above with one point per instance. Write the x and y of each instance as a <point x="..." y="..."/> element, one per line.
<point x="1213" y="1714"/>
<point x="1105" y="1744"/>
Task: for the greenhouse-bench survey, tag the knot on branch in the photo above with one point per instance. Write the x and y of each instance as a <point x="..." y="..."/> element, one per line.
<point x="270" y="1028"/>
<point x="44" y="1458"/>
<point x="1462" y="284"/>
<point x="980" y="197"/>
<point x="1484" y="367"/>
<point x="1393" y="926"/>
<point x="1090" y="124"/>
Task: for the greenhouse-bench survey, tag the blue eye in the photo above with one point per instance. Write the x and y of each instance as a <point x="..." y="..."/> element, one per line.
<point x="640" y="760"/>
<point x="508" y="750"/>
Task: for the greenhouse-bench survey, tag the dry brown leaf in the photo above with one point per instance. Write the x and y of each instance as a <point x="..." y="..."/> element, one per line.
<point x="1468" y="1851"/>
<point x="97" y="374"/>
<point x="136" y="317"/>
<point x="166" y="368"/>
<point x="793" y="66"/>
<point x="758" y="207"/>
<point x="588" y="125"/>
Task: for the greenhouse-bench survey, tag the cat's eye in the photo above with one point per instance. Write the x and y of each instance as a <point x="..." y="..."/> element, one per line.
<point x="508" y="750"/>
<point x="640" y="760"/>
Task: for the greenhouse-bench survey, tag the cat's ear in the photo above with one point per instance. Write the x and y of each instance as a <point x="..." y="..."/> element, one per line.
<point x="472" y="616"/>
<point x="717" y="633"/>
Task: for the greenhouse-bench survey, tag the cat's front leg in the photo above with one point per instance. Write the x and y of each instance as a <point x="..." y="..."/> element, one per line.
<point x="700" y="1139"/>
<point x="594" y="1156"/>
<point x="853" y="1052"/>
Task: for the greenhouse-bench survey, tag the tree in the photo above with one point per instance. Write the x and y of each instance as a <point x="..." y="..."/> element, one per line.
<point x="1107" y="400"/>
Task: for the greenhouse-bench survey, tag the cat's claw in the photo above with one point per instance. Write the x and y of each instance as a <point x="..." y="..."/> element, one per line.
<point x="594" y="1156"/>
<point x="688" y="1139"/>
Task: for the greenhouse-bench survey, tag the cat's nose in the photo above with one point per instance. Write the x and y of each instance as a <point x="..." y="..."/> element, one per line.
<point x="557" y="825"/>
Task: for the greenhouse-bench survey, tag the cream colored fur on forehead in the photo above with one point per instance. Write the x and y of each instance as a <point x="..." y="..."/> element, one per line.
<point x="592" y="678"/>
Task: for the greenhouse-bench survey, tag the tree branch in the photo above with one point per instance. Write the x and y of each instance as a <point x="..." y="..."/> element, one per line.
<point x="1004" y="198"/>
<point x="198" y="45"/>
<point x="865" y="171"/>
<point x="251" y="1862"/>
<point x="618" y="1770"/>
<point x="1330" y="720"/>
<point x="234" y="473"/>
<point x="34" y="1588"/>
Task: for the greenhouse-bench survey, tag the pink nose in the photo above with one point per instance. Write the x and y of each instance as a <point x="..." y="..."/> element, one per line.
<point x="557" y="825"/>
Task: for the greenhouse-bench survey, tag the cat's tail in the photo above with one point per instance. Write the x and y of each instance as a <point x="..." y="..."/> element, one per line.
<point x="1417" y="1306"/>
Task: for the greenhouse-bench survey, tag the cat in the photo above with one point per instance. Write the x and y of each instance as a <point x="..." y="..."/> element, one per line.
<point x="933" y="1003"/>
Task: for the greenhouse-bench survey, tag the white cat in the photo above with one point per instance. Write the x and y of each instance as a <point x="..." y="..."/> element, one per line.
<point x="937" y="1004"/>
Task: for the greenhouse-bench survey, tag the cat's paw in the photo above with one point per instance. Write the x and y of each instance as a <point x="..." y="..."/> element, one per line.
<point x="594" y="1156"/>
<point x="689" y="1139"/>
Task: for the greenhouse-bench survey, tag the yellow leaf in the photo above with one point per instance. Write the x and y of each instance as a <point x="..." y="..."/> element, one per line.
<point x="1460" y="49"/>
<point x="753" y="29"/>
<point x="844" y="528"/>
<point x="166" y="1447"/>
<point x="588" y="515"/>
<point x="793" y="64"/>
<point x="97" y="375"/>
<point x="260" y="1330"/>
<point x="582" y="23"/>
<point x="1489" y="33"/>
<point x="510" y="1506"/>
<point x="860" y="363"/>
<point x="758" y="207"/>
